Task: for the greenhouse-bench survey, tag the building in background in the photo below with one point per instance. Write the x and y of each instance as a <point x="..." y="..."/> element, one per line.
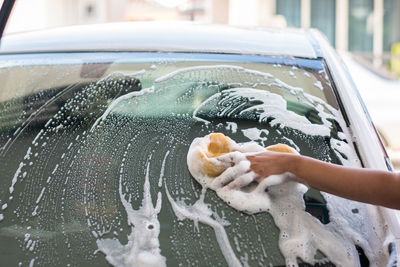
<point x="366" y="27"/>
<point x="369" y="28"/>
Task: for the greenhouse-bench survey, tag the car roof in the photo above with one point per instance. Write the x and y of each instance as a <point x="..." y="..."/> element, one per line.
<point x="163" y="37"/>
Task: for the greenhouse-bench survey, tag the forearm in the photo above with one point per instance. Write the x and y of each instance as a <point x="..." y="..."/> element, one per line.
<point x="365" y="185"/>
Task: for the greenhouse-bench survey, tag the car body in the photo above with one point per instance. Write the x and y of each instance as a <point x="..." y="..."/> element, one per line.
<point x="374" y="90"/>
<point x="96" y="122"/>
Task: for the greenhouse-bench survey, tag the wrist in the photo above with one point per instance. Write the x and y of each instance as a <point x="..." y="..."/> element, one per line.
<point x="293" y="163"/>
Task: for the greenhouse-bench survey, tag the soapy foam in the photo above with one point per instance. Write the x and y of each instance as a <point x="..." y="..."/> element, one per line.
<point x="340" y="147"/>
<point x="272" y="106"/>
<point x="200" y="212"/>
<point x="284" y="201"/>
<point x="255" y="134"/>
<point x="97" y="222"/>
<point x="212" y="67"/>
<point x="117" y="101"/>
<point x="232" y="126"/>
<point x="143" y="247"/>
<point x="257" y="201"/>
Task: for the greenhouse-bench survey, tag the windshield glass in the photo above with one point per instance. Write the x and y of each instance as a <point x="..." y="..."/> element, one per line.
<point x="93" y="151"/>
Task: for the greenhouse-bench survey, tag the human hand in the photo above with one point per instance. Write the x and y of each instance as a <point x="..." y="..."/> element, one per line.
<point x="269" y="163"/>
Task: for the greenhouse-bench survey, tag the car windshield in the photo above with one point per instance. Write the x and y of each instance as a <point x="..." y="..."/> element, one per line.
<point x="93" y="151"/>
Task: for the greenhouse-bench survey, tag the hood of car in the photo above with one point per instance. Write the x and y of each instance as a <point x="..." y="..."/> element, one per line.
<point x="163" y="37"/>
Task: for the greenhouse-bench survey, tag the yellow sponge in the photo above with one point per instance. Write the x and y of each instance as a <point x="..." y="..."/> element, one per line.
<point x="282" y="148"/>
<point x="218" y="145"/>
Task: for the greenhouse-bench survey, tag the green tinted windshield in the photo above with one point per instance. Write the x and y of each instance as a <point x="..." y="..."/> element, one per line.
<point x="93" y="156"/>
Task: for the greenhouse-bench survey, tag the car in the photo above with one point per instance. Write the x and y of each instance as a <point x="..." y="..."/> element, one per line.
<point x="380" y="95"/>
<point x="95" y="126"/>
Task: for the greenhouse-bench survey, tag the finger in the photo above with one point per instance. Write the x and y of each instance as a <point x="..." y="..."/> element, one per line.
<point x="231" y="173"/>
<point x="242" y="181"/>
<point x="253" y="155"/>
<point x="250" y="158"/>
<point x="219" y="163"/>
<point x="225" y="158"/>
<point x="257" y="155"/>
<point x="234" y="157"/>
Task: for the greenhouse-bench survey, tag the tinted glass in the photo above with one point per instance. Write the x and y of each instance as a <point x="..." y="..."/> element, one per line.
<point x="93" y="158"/>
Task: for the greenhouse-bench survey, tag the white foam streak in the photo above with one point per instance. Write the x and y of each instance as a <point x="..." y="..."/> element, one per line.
<point x="41" y="195"/>
<point x="118" y="100"/>
<point x="254" y="134"/>
<point x="15" y="178"/>
<point x="37" y="136"/>
<point x="231" y="126"/>
<point x="212" y="67"/>
<point x="143" y="247"/>
<point x="200" y="212"/>
<point x="272" y="106"/>
<point x="160" y="180"/>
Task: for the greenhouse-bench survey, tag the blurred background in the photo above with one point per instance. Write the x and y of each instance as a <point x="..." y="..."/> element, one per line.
<point x="368" y="28"/>
<point x="365" y="32"/>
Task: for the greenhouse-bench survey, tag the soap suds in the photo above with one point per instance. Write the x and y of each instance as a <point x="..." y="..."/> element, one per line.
<point x="143" y="247"/>
<point x="279" y="195"/>
<point x="232" y="126"/>
<point x="272" y="106"/>
<point x="212" y="67"/>
<point x="15" y="178"/>
<point x="255" y="134"/>
<point x="200" y="212"/>
<point x="160" y="180"/>
<point x="117" y="101"/>
<point x="96" y="198"/>
<point x="318" y="84"/>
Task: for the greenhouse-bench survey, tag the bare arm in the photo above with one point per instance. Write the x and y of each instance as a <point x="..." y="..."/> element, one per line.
<point x="365" y="185"/>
